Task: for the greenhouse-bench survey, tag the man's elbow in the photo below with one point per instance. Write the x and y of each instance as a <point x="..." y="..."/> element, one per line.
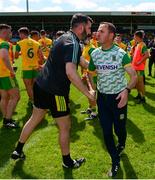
<point x="69" y="75"/>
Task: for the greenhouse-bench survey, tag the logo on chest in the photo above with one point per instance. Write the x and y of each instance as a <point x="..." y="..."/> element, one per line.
<point x="107" y="67"/>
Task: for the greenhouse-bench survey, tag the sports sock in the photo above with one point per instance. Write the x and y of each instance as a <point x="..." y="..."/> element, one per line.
<point x="5" y="120"/>
<point x="67" y="160"/>
<point x="19" y="147"/>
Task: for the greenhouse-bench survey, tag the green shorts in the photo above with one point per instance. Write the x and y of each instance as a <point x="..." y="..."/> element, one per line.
<point x="29" y="74"/>
<point x="95" y="79"/>
<point x="7" y="83"/>
<point x="140" y="73"/>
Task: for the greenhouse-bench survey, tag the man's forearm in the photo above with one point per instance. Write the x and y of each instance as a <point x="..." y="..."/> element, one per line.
<point x="76" y="81"/>
<point x="84" y="63"/>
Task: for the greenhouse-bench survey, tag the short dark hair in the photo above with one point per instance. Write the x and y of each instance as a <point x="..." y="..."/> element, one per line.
<point x="34" y="33"/>
<point x="42" y="32"/>
<point x="24" y="30"/>
<point x="59" y="33"/>
<point x="79" y="18"/>
<point x="4" y="26"/>
<point x="111" y="27"/>
<point x="139" y="33"/>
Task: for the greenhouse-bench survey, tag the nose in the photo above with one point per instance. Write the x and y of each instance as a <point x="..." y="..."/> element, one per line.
<point x="97" y="35"/>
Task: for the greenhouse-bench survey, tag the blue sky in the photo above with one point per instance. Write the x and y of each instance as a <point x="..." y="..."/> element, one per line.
<point x="77" y="5"/>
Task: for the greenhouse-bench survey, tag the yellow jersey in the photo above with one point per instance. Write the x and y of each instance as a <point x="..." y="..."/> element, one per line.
<point x="87" y="50"/>
<point x="94" y="42"/>
<point x="45" y="44"/>
<point x="29" y="53"/>
<point x="86" y="54"/>
<point x="4" y="71"/>
<point x="122" y="45"/>
<point x="132" y="42"/>
<point x="11" y="55"/>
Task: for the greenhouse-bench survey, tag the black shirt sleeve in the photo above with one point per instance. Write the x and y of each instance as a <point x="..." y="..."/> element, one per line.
<point x="71" y="52"/>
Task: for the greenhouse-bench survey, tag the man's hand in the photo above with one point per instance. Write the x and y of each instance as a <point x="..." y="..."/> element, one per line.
<point x="40" y="67"/>
<point x="92" y="95"/>
<point x="123" y="96"/>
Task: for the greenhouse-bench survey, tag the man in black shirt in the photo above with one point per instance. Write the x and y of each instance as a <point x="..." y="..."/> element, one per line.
<point x="51" y="89"/>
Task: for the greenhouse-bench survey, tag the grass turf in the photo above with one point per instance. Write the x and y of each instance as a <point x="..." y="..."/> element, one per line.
<point x="43" y="152"/>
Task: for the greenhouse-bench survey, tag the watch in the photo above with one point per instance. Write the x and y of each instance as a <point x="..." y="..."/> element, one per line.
<point x="129" y="90"/>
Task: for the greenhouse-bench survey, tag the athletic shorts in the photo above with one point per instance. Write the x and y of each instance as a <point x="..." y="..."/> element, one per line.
<point x="58" y="105"/>
<point x="29" y="74"/>
<point x="7" y="83"/>
<point x="140" y="73"/>
<point x="95" y="79"/>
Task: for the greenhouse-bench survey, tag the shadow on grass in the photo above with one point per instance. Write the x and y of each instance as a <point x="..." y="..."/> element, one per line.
<point x="131" y="100"/>
<point x="130" y="97"/>
<point x="150" y="95"/>
<point x="9" y="137"/>
<point x="150" y="84"/>
<point x="146" y="106"/>
<point x="149" y="108"/>
<point x="18" y="171"/>
<point x="98" y="132"/>
<point x="119" y="174"/>
<point x="76" y="126"/>
<point x="129" y="170"/>
<point x="135" y="132"/>
<point x="68" y="174"/>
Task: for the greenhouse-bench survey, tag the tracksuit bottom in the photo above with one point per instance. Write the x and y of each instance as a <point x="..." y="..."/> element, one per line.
<point x="111" y="116"/>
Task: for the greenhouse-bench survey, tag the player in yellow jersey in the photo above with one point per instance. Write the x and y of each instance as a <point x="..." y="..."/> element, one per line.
<point x="88" y="48"/>
<point x="32" y="58"/>
<point x="8" y="85"/>
<point x="45" y="43"/>
<point x="35" y="35"/>
<point x="11" y="56"/>
<point x="118" y="41"/>
<point x="133" y="42"/>
<point x="132" y="45"/>
<point x="94" y="40"/>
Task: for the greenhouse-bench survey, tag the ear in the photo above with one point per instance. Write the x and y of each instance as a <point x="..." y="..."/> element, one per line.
<point x="112" y="36"/>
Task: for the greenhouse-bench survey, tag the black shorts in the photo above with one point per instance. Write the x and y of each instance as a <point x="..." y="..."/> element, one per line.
<point x="58" y="105"/>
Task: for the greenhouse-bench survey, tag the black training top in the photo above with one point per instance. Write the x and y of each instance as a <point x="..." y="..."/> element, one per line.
<point x="53" y="78"/>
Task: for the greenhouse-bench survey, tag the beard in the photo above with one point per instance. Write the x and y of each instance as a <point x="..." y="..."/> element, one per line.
<point x="84" y="35"/>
